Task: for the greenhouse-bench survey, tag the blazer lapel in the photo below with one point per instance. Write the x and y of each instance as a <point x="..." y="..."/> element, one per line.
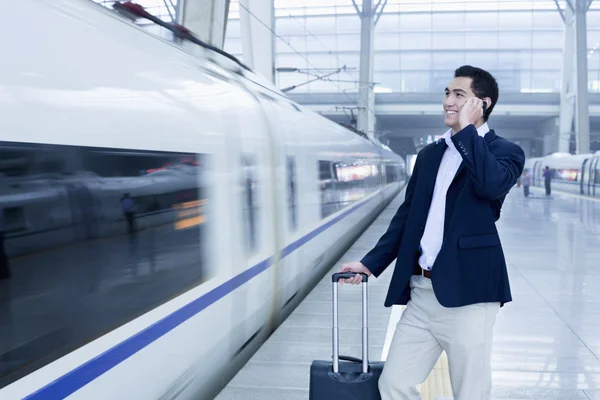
<point x="437" y="153"/>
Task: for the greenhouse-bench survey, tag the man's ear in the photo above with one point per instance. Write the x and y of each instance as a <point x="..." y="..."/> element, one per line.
<point x="488" y="102"/>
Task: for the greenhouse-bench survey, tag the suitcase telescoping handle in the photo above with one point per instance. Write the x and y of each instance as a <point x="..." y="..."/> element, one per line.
<point x="365" y="322"/>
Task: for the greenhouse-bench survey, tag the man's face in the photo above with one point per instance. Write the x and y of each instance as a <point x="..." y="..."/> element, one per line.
<point x="457" y="93"/>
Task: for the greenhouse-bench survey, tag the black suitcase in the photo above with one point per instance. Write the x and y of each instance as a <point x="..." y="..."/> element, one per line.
<point x="351" y="378"/>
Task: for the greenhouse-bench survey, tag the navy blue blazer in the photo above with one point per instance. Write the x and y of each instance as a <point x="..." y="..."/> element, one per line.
<point x="470" y="267"/>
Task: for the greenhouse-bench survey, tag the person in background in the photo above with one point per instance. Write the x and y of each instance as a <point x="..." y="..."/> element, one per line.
<point x="526" y="181"/>
<point x="128" y="207"/>
<point x="547" y="179"/>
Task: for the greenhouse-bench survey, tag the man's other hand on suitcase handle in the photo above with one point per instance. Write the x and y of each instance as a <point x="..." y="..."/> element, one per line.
<point x="354" y="266"/>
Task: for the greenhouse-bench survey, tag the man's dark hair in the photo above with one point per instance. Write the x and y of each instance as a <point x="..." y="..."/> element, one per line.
<point x="483" y="85"/>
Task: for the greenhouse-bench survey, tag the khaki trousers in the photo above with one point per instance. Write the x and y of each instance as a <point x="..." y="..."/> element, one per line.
<point x="424" y="330"/>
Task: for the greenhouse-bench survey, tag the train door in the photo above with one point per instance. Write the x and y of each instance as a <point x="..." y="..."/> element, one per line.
<point x="585" y="177"/>
<point x="282" y="123"/>
<point x="249" y="155"/>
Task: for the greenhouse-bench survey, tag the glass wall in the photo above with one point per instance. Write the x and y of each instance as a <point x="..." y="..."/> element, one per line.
<point x="418" y="44"/>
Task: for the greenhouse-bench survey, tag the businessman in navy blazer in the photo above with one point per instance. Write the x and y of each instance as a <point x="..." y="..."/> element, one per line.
<point x="450" y="269"/>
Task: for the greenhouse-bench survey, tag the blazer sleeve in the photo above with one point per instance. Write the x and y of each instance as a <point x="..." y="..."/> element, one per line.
<point x="494" y="172"/>
<point x="386" y="249"/>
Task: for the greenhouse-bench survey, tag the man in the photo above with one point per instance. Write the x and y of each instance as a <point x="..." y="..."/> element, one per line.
<point x="450" y="268"/>
<point x="547" y="179"/>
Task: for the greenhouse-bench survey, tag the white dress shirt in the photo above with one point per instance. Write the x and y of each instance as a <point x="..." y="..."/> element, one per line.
<point x="431" y="242"/>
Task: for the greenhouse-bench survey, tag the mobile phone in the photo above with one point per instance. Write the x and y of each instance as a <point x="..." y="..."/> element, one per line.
<point x="484" y="107"/>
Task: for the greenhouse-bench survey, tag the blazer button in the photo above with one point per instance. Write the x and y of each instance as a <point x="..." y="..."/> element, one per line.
<point x="422" y="227"/>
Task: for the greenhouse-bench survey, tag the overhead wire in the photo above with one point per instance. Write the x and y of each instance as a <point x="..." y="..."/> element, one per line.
<point x="295" y="51"/>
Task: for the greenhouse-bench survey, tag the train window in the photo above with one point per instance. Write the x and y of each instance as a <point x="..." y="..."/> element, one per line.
<point x="292" y="196"/>
<point x="249" y="202"/>
<point x="343" y="183"/>
<point x="90" y="239"/>
<point x="391" y="173"/>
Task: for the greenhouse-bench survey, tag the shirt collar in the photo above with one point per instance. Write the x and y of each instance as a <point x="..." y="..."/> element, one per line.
<point x="481" y="131"/>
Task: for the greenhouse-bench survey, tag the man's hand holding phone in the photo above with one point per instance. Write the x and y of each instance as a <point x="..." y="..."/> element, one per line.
<point x="471" y="112"/>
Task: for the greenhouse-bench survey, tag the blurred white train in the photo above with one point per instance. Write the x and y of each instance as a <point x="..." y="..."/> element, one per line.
<point x="163" y="208"/>
<point x="570" y="173"/>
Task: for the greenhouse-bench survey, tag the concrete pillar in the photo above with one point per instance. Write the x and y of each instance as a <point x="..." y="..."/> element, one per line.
<point x="366" y="93"/>
<point x="582" y="119"/>
<point x="548" y="132"/>
<point x="257" y="22"/>
<point x="574" y="92"/>
<point x="568" y="87"/>
<point x="206" y="18"/>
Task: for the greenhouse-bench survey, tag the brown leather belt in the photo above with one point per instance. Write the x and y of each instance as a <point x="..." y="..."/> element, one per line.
<point x="418" y="270"/>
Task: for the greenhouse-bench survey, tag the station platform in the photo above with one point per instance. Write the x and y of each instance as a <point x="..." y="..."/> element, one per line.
<point x="546" y="341"/>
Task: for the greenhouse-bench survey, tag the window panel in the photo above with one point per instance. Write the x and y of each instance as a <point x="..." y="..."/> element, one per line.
<point x="447" y="60"/>
<point x="388" y="23"/>
<point x="594" y="60"/>
<point x="481" y="40"/>
<point x="351" y="60"/>
<point x="542" y="81"/>
<point x="415" y="22"/>
<point x="348" y="42"/>
<point x="448" y="21"/>
<point x="296" y="43"/>
<point x="447" y="41"/>
<point x="548" y="40"/>
<point x="415" y="81"/>
<point x="593" y="18"/>
<point x="291" y="61"/>
<point x="290" y="26"/>
<point x="508" y="81"/>
<point x="390" y="80"/>
<point x="321" y="43"/>
<point x="440" y="80"/>
<point x="593" y="39"/>
<point x="321" y="86"/>
<point x="514" y="40"/>
<point x="386" y="61"/>
<point x="316" y="25"/>
<point x="547" y="20"/>
<point x="347" y="24"/>
<point x="322" y="60"/>
<point x="547" y="59"/>
<point x="416" y="60"/>
<point x="483" y="59"/>
<point x="387" y="41"/>
<point x="514" y="60"/>
<point x="480" y="20"/>
<point x="415" y="41"/>
<point x="525" y="77"/>
<point x="514" y="20"/>
<point x="594" y="81"/>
